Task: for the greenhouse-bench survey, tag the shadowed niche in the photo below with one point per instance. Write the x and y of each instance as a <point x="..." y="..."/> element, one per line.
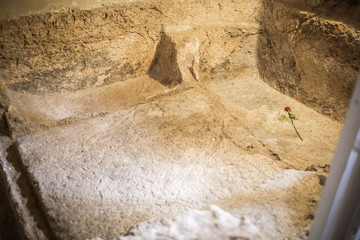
<point x="164" y="67"/>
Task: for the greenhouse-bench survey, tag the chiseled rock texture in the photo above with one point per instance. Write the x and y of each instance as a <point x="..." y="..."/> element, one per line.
<point x="157" y="159"/>
<point x="211" y="224"/>
<point x="120" y="113"/>
<point x="265" y="212"/>
<point x="180" y="151"/>
<point x="45" y="56"/>
<point x="312" y="53"/>
<point x="308" y="50"/>
<point x="10" y="228"/>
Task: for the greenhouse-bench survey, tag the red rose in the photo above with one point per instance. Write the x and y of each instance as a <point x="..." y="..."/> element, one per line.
<point x="287" y="109"/>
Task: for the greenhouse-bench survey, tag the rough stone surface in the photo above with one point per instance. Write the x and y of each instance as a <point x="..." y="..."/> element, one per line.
<point x="147" y="109"/>
<point x="9" y="229"/>
<point x="117" y="43"/>
<point x="202" y="41"/>
<point x="274" y="206"/>
<point x="157" y="159"/>
<point x="270" y="210"/>
<point x="27" y="220"/>
<point x="167" y="156"/>
<point x="312" y="54"/>
<point x="211" y="224"/>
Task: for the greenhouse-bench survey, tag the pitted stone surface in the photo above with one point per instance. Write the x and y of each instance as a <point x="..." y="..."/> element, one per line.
<point x="113" y="171"/>
<point x="211" y="224"/>
<point x="161" y="158"/>
<point x="146" y="109"/>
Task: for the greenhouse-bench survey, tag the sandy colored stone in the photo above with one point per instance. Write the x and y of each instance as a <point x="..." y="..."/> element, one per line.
<point x="157" y="159"/>
<point x="127" y="40"/>
<point x="213" y="223"/>
<point x="167" y="156"/>
<point x="27" y="220"/>
<point x="147" y="109"/>
<point x="274" y="206"/>
<point x="266" y="212"/>
<point x="9" y="228"/>
<point x="312" y="54"/>
<point x="202" y="41"/>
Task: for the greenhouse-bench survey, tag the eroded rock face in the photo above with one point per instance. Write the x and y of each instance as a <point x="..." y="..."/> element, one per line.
<point x="311" y="53"/>
<point x="263" y="213"/>
<point x="148" y="109"/>
<point x="178" y="151"/>
<point x="313" y="59"/>
<point x="171" y="41"/>
<point x="210" y="224"/>
<point x="165" y="67"/>
<point x="156" y="159"/>
<point x="76" y="49"/>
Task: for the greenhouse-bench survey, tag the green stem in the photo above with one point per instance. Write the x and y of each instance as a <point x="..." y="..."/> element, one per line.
<point x="292" y="122"/>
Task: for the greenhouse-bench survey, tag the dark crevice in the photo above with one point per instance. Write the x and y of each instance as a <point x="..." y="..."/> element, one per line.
<point x="28" y="192"/>
<point x="164" y="67"/>
<point x="4" y="128"/>
<point x="10" y="229"/>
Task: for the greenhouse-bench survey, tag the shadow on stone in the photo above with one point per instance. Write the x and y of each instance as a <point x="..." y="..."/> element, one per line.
<point x="164" y="67"/>
<point x="294" y="58"/>
<point x="32" y="202"/>
<point x="9" y="230"/>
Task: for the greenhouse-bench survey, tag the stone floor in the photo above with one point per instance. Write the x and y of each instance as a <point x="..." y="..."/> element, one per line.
<point x="149" y="109"/>
<point x="216" y="142"/>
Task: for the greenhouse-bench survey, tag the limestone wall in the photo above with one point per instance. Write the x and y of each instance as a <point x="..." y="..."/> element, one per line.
<point x="306" y="49"/>
<point x="76" y="49"/>
<point x="311" y="54"/>
<point x="15" y="8"/>
<point x="175" y="82"/>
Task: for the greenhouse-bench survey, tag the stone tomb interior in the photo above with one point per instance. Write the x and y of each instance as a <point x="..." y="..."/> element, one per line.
<point x="165" y="119"/>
